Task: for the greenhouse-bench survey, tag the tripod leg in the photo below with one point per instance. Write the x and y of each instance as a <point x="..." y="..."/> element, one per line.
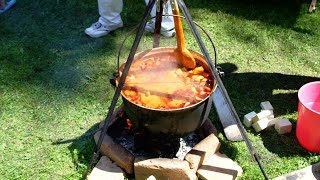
<point x="116" y="95"/>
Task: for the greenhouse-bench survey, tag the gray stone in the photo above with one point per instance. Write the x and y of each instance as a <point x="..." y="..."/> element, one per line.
<point x="202" y="151"/>
<point x="163" y="168"/>
<point x="206" y="129"/>
<point x="226" y="117"/>
<point x="219" y="166"/>
<point x="106" y="170"/>
<point x="232" y="132"/>
<point x="310" y="173"/>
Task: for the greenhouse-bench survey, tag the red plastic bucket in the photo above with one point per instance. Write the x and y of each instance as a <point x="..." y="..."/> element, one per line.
<point x="308" y="124"/>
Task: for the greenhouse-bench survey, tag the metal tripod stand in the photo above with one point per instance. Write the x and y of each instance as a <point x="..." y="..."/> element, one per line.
<point x="129" y="61"/>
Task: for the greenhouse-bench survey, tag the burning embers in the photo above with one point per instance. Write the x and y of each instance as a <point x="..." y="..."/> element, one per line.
<point x="140" y="143"/>
<point x="164" y="157"/>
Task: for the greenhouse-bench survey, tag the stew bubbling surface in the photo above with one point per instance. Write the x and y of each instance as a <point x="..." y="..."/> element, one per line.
<point x="162" y="83"/>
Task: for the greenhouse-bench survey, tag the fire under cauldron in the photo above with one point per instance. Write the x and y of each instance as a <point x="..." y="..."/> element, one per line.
<point x="170" y="122"/>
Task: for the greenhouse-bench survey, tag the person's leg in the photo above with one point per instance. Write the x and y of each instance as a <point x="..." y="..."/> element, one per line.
<point x="312" y="6"/>
<point x="7" y="5"/>
<point x="167" y="25"/>
<point x="109" y="20"/>
<point x="2" y="4"/>
<point x="109" y="11"/>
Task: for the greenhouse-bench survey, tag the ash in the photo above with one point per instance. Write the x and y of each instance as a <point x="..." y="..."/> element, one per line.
<point x="185" y="145"/>
<point x="142" y="144"/>
<point x="127" y="141"/>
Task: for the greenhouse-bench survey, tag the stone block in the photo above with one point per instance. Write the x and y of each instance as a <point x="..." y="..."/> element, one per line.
<point x="247" y="119"/>
<point x="271" y="115"/>
<point x="106" y="170"/>
<point x="116" y="152"/>
<point x="226" y="117"/>
<point x="308" y="173"/>
<point x="219" y="166"/>
<point x="151" y="178"/>
<point x="263" y="124"/>
<point x="202" y="151"/>
<point x="263" y="114"/>
<point x="232" y="133"/>
<point x="163" y="168"/>
<point x="266" y="105"/>
<point x="283" y="126"/>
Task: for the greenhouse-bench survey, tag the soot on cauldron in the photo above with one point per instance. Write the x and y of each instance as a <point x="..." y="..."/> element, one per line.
<point x="162" y="97"/>
<point x="143" y="144"/>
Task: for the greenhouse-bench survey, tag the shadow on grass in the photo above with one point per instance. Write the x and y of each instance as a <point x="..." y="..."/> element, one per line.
<point x="81" y="148"/>
<point x="247" y="90"/>
<point x="283" y="13"/>
<point x="44" y="41"/>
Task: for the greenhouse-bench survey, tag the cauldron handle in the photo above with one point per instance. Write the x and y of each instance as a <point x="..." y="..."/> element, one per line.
<point x="116" y="74"/>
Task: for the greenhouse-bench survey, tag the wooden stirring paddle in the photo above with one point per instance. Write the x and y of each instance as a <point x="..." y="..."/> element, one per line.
<point x="185" y="56"/>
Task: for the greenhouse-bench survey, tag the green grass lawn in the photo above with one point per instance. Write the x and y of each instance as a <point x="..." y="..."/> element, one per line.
<point x="54" y="79"/>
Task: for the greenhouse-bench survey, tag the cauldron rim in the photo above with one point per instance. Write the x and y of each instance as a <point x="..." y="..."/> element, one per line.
<point x="199" y="58"/>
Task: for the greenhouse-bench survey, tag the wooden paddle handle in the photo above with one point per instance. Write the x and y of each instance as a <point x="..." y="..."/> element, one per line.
<point x="178" y="25"/>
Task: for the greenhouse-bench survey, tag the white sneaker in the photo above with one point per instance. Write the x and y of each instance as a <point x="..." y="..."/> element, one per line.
<point x="150" y="26"/>
<point x="97" y="30"/>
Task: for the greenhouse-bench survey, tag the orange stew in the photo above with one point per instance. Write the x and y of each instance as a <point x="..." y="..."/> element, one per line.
<point x="161" y="83"/>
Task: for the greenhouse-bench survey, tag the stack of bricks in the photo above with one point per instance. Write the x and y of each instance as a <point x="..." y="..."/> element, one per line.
<point x="203" y="161"/>
<point x="265" y="118"/>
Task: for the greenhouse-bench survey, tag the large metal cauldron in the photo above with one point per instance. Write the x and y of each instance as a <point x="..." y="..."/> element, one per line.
<point x="173" y="122"/>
